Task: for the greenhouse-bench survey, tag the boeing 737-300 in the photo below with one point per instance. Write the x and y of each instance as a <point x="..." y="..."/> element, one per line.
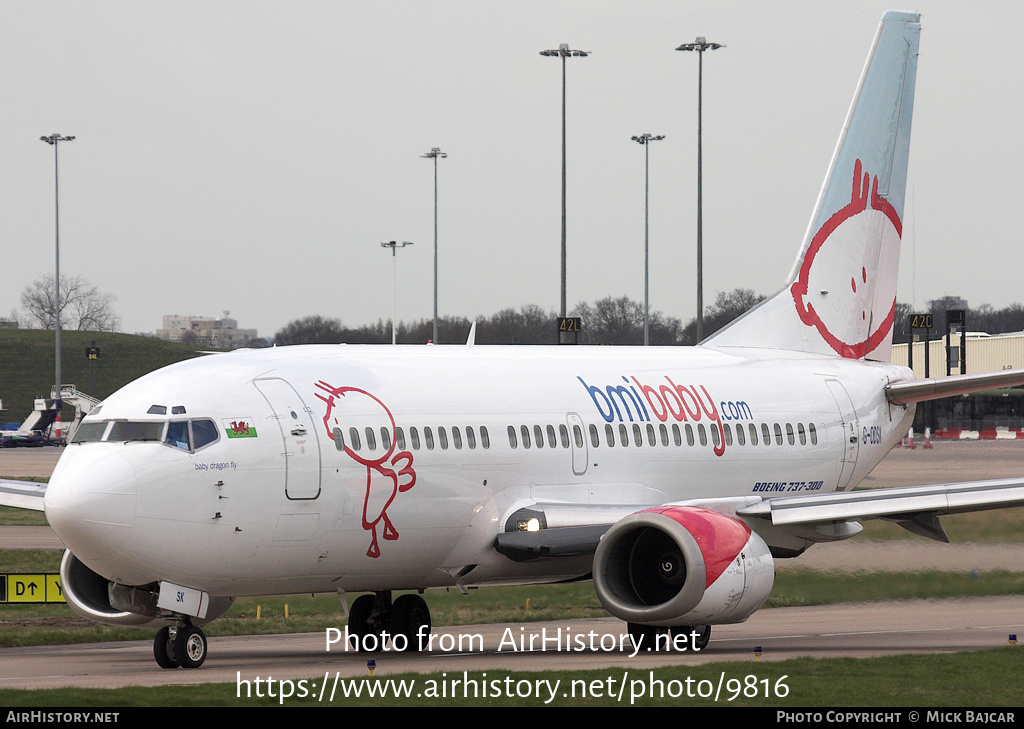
<point x="672" y="477"/>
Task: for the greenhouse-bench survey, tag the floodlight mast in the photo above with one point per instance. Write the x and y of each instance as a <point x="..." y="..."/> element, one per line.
<point x="434" y="153"/>
<point x="53" y="140"/>
<point x="700" y="45"/>
<point x="645" y="140"/>
<point x="394" y="246"/>
<point x="563" y="51"/>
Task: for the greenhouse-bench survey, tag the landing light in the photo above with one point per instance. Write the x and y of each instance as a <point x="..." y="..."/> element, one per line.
<point x="528" y="525"/>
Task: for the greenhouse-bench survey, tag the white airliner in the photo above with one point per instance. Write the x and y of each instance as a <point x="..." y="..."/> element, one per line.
<point x="672" y="477"/>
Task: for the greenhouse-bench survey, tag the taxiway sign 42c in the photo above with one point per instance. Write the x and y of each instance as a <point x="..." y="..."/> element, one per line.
<point x="672" y="477"/>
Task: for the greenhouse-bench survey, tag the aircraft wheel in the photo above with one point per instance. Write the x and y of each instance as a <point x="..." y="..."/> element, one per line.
<point x="190" y="646"/>
<point x="703" y="637"/>
<point x="163" y="648"/>
<point x="701" y="641"/>
<point x="644" y="637"/>
<point x="410" y="617"/>
<point x="359" y="624"/>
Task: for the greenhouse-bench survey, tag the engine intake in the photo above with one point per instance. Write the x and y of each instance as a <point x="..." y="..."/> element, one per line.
<point x="93" y="596"/>
<point x="682" y="565"/>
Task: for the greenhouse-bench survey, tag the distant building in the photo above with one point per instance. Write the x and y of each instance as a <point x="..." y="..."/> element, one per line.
<point x="8" y="324"/>
<point x="205" y="331"/>
<point x="989" y="411"/>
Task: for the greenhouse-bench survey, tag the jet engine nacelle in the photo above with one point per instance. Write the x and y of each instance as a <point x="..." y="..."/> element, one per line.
<point x="682" y="565"/>
<point x="93" y="596"/>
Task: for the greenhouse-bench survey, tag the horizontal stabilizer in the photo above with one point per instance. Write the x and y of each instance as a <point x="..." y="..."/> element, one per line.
<point x="933" y="388"/>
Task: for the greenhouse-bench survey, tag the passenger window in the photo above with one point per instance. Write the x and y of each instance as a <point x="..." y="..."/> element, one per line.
<point x="740" y="437"/>
<point x="638" y="436"/>
<point x="753" y="433"/>
<point x="664" y="434"/>
<point x="385" y="438"/>
<point x="552" y="441"/>
<point x="624" y="434"/>
<point x="400" y="438"/>
<point x="727" y="429"/>
<point x="778" y="434"/>
<point x="609" y="435"/>
<point x="689" y="434"/>
<point x="485" y="439"/>
<point x="814" y="434"/>
<point x="339" y="439"/>
<point x="353" y="438"/>
<point x="538" y="436"/>
<point x="428" y="438"/>
<point x="577" y="433"/>
<point x="371" y="441"/>
<point x="470" y="437"/>
<point x="512" y="436"/>
<point x="456" y="437"/>
<point x="204" y="432"/>
<point x="595" y="437"/>
<point x="789" y="434"/>
<point x="766" y="436"/>
<point x="801" y="433"/>
<point x="177" y="435"/>
<point x="525" y="431"/>
<point x="677" y="437"/>
<point x="414" y="436"/>
<point x="442" y="437"/>
<point x="703" y="434"/>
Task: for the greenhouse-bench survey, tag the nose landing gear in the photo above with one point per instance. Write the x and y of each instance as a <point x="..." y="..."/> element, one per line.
<point x="182" y="646"/>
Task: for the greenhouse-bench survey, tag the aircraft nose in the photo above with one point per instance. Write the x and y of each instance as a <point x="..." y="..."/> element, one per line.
<point x="90" y="500"/>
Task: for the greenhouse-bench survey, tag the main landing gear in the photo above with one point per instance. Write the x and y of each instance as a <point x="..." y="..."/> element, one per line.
<point x="181" y="646"/>
<point x="679" y="639"/>
<point x="375" y="623"/>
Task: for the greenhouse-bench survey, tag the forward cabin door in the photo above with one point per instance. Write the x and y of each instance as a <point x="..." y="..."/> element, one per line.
<point x="301" y="452"/>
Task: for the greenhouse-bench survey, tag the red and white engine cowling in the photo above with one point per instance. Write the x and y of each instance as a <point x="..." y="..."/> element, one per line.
<point x="682" y="565"/>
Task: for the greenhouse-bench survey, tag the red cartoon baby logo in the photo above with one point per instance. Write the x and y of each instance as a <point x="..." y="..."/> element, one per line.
<point x="387" y="473"/>
<point x="848" y="293"/>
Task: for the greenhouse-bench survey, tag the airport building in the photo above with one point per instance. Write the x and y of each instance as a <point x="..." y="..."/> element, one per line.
<point x="990" y="413"/>
<point x="205" y="331"/>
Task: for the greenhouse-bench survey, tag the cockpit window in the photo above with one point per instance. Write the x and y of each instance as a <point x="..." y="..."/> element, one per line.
<point x="90" y="432"/>
<point x="187" y="435"/>
<point x="204" y="432"/>
<point x="177" y="434"/>
<point x="128" y="430"/>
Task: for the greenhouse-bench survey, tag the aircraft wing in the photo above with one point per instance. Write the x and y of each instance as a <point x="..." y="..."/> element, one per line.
<point x="22" y="494"/>
<point x="915" y="508"/>
<point x="566" y="531"/>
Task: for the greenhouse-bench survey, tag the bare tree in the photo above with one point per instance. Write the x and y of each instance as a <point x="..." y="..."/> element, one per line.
<point x="82" y="305"/>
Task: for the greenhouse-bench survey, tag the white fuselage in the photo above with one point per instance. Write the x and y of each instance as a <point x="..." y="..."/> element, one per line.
<point x="289" y="496"/>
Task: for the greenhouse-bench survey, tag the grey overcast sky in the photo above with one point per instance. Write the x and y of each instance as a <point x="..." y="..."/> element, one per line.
<point x="251" y="156"/>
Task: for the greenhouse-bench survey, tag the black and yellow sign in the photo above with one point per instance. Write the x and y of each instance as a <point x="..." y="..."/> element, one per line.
<point x="31" y="588"/>
<point x="921" y="321"/>
<point x="569" y="324"/>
